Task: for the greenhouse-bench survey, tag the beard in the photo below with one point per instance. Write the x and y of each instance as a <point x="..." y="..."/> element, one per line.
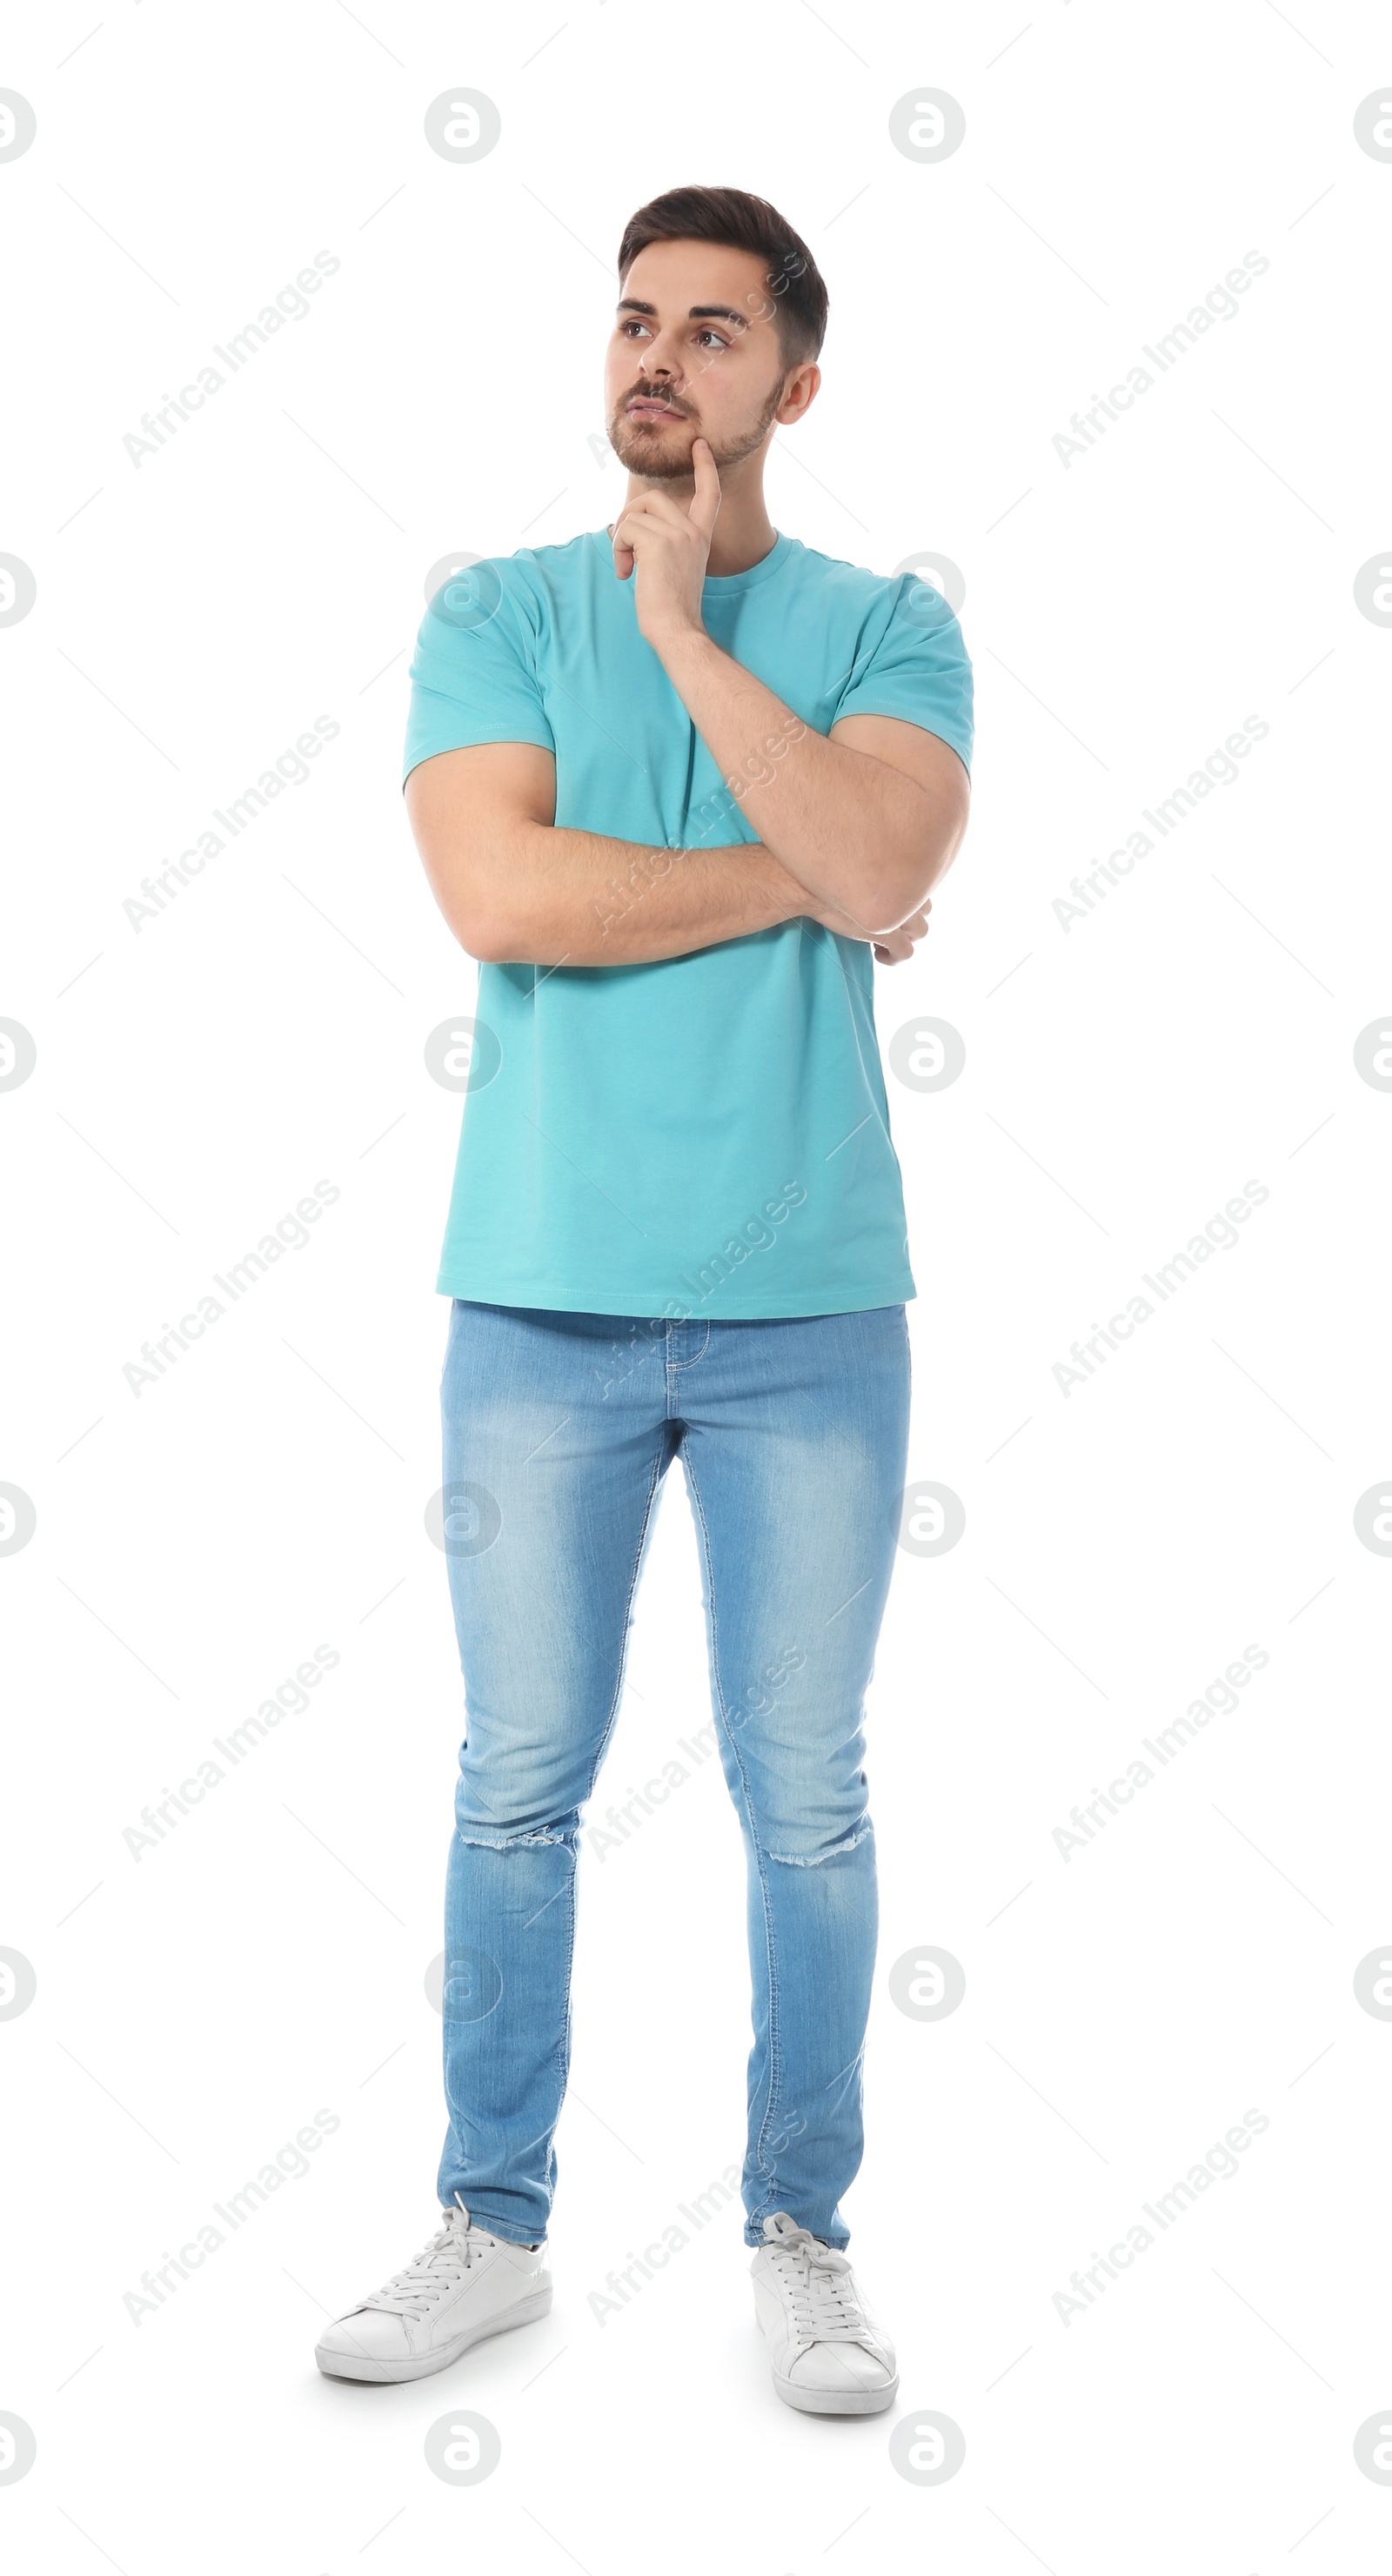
<point x="660" y="451"/>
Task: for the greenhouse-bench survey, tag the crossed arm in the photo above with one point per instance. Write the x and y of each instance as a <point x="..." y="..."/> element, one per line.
<point x="855" y="828"/>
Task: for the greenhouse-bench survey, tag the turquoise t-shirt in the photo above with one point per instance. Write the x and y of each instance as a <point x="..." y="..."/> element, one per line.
<point x="706" y="1135"/>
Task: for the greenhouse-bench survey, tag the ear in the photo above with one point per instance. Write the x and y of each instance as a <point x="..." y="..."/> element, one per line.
<point x="799" y="391"/>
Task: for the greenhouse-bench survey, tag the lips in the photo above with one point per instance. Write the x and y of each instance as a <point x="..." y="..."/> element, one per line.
<point x="641" y="410"/>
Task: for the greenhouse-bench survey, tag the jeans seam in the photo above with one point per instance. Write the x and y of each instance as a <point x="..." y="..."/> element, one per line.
<point x="673" y="1367"/>
<point x="654" y="1481"/>
<point x="723" y="1719"/>
<point x="563" y="2054"/>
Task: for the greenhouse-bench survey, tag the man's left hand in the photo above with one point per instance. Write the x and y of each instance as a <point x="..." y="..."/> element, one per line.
<point x="897" y="946"/>
<point x="665" y="547"/>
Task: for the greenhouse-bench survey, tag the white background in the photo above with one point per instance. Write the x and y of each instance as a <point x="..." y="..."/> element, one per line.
<point x="1123" y="1079"/>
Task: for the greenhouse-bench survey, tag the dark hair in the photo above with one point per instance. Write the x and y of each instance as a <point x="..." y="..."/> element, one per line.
<point x="741" y="222"/>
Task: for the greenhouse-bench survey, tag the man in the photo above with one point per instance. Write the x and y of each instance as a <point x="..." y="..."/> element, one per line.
<point x="677" y="1229"/>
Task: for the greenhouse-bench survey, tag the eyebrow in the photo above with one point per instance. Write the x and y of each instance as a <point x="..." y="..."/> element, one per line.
<point x="695" y="313"/>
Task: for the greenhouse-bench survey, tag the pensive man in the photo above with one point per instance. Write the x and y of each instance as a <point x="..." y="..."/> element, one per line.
<point x="675" y="784"/>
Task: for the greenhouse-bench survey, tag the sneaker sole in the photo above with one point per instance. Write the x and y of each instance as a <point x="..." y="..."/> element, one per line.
<point x="420" y="2365"/>
<point x="836" y="2401"/>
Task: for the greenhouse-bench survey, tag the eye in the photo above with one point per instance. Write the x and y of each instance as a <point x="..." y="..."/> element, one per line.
<point x="712" y="339"/>
<point x="627" y="329"/>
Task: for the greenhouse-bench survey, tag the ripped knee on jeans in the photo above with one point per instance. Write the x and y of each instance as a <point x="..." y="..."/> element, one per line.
<point x="829" y="1851"/>
<point x="523" y="1840"/>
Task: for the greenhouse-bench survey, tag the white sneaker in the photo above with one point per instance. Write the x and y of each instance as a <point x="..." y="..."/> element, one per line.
<point x="829" y="2356"/>
<point x="462" y="2286"/>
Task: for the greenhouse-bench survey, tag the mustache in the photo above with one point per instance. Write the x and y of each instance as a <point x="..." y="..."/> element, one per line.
<point x="645" y="393"/>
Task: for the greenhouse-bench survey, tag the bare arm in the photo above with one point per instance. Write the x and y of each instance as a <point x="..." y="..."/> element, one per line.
<point x="867" y="817"/>
<point x="513" y="887"/>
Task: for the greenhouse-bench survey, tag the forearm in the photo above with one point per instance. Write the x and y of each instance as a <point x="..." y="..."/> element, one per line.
<point x="568" y="898"/>
<point x="866" y="841"/>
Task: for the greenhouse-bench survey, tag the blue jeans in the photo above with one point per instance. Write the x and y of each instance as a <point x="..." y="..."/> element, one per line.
<point x="558" y="1431"/>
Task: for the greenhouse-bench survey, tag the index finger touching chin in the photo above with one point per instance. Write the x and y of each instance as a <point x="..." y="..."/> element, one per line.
<point x="706" y="497"/>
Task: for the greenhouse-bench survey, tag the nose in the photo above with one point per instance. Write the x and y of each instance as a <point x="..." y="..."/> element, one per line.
<point x="660" y="360"/>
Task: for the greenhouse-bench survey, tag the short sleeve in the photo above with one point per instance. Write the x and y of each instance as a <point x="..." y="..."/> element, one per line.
<point x="474" y="673"/>
<point x="918" y="669"/>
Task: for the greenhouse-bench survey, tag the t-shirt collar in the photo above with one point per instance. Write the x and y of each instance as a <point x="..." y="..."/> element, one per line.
<point x="729" y="585"/>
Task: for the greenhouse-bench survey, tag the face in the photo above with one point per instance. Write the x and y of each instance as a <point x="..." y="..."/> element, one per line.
<point x="695" y="354"/>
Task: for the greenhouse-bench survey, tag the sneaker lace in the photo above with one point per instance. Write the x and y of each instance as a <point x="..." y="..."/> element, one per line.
<point x="820" y="2287"/>
<point x="436" y="2269"/>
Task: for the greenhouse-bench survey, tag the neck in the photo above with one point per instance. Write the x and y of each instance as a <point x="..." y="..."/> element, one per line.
<point x="743" y="533"/>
